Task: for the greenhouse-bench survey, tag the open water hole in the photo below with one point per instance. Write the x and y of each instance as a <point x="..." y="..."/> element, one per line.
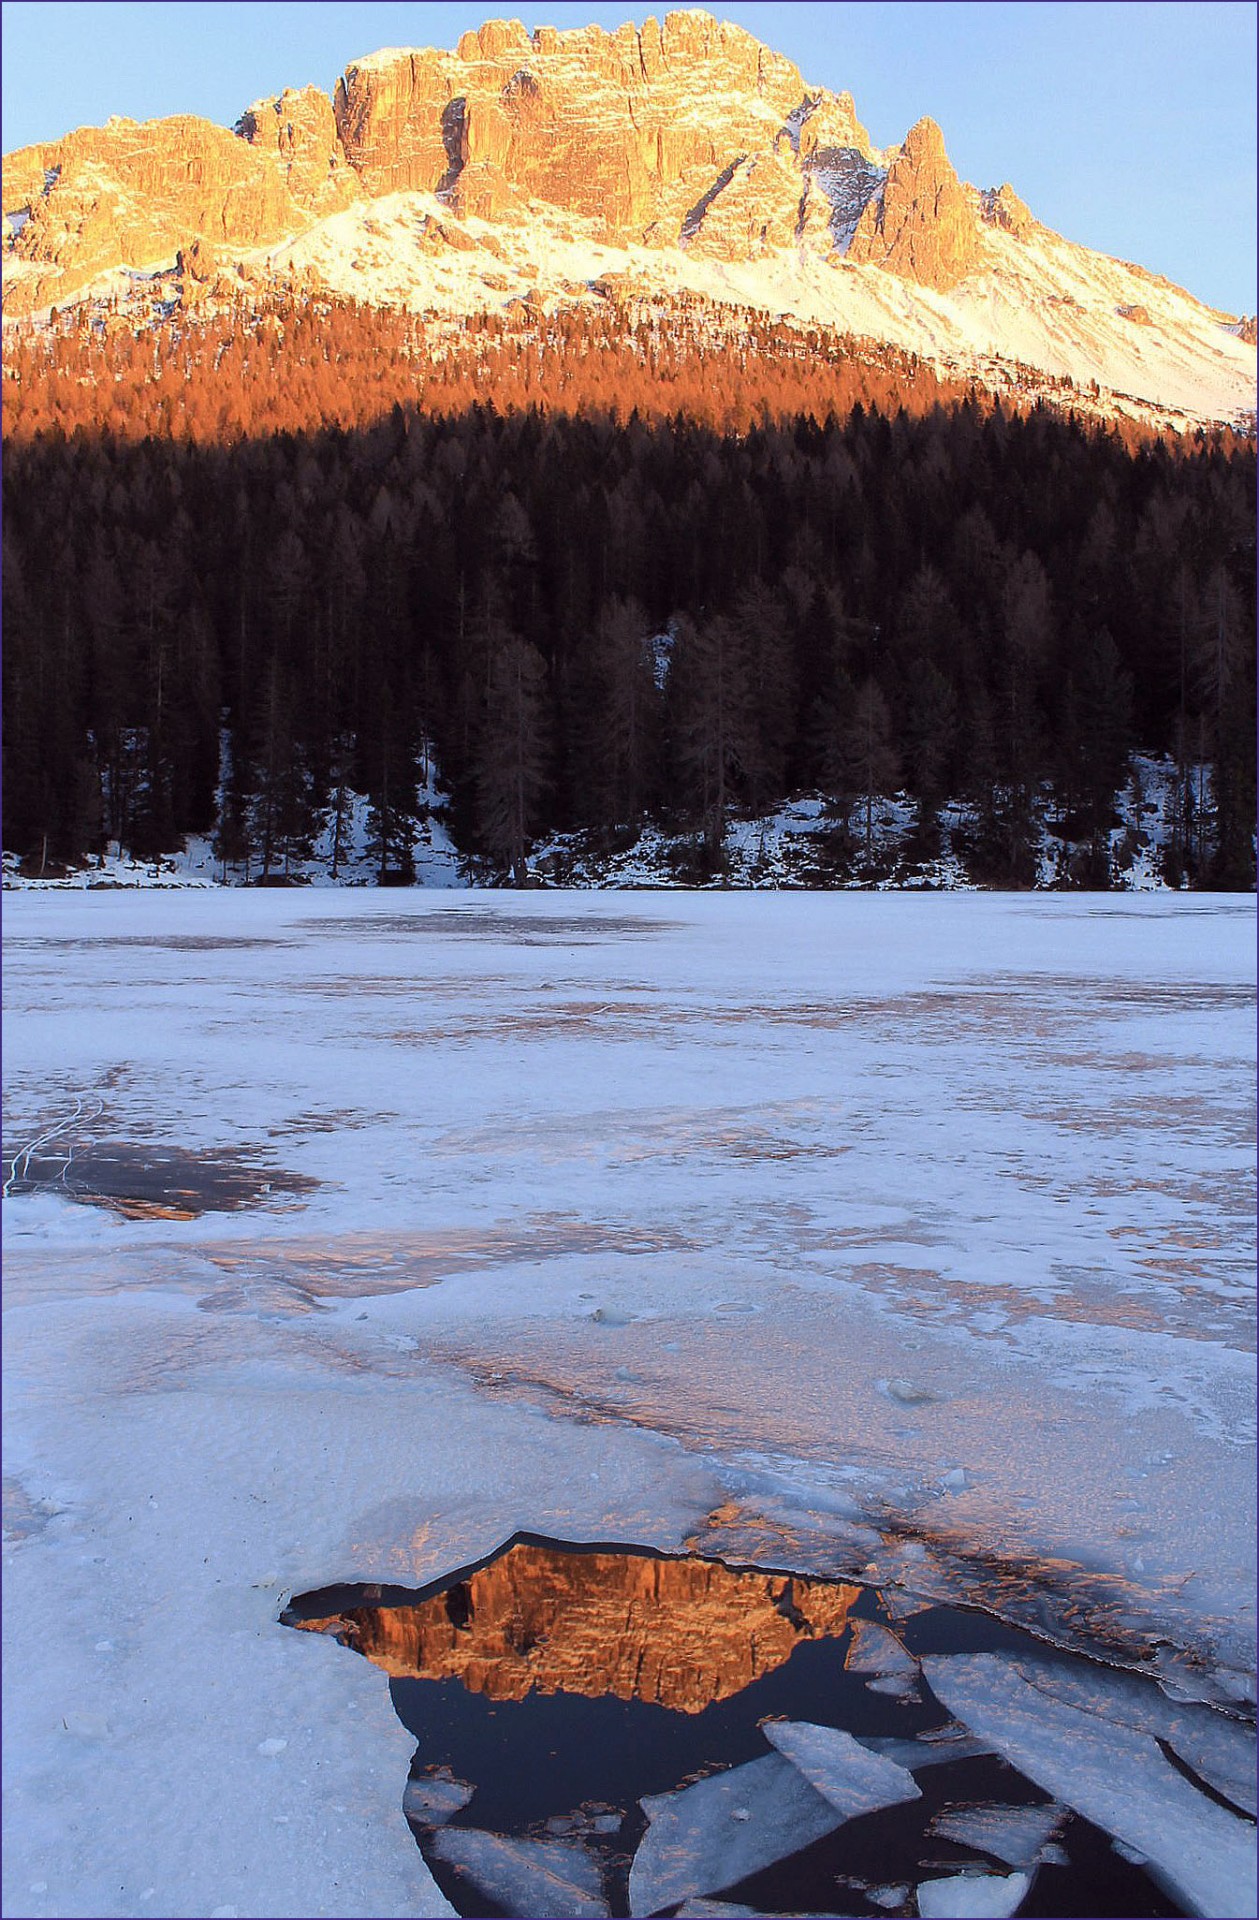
<point x="552" y="1688"/>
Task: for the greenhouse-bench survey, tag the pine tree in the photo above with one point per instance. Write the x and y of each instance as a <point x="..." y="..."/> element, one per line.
<point x="710" y="712"/>
<point x="511" y="760"/>
<point x="869" y="756"/>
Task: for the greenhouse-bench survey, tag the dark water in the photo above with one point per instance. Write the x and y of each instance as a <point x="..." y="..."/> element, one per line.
<point x="570" y="1747"/>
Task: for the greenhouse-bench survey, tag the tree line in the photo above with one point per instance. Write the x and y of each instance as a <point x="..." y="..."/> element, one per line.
<point x="594" y="622"/>
<point x="278" y="363"/>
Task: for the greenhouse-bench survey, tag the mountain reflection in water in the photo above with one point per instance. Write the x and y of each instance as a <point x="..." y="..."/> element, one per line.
<point x="679" y="1633"/>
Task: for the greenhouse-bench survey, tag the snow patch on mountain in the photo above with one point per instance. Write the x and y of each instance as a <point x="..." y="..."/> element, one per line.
<point x="1040" y="303"/>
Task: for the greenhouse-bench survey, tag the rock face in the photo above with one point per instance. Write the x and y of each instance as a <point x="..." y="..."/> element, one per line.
<point x="1003" y="208"/>
<point x="131" y="195"/>
<point x="921" y="226"/>
<point x="686" y="132"/>
<point x="681" y="1633"/>
<point x="630" y="129"/>
<point x="300" y="130"/>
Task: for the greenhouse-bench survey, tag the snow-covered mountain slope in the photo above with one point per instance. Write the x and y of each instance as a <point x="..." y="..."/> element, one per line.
<point x="1036" y="302"/>
<point x="677" y="159"/>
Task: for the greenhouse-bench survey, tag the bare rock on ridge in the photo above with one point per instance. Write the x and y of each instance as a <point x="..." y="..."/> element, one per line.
<point x="921" y="226"/>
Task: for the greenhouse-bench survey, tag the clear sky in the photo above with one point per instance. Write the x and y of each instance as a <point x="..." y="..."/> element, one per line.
<point x="1130" y="127"/>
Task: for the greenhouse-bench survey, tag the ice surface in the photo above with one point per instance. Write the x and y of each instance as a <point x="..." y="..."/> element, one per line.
<point x="897" y="1686"/>
<point x="1220" y="1750"/>
<point x="1017" y="1835"/>
<point x="556" y="1879"/>
<point x="710" y="1835"/>
<point x="725" y="1910"/>
<point x="853" y="1779"/>
<point x="998" y="1147"/>
<point x="585" y="1822"/>
<point x="434" y="1798"/>
<point x="1114" y="1776"/>
<point x="874" y="1649"/>
<point x="715" y="1910"/>
<point x="973" y="1896"/>
<point x="926" y="1751"/>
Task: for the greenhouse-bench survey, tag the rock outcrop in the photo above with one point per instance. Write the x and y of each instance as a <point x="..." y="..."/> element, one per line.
<point x="300" y="129"/>
<point x="1003" y="208"/>
<point x="921" y="225"/>
<point x="681" y="1633"/>
<point x="630" y="129"/>
<point x="131" y="195"/>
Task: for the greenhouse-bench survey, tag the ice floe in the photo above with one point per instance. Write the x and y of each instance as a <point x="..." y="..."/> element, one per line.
<point x="837" y="1766"/>
<point x="1017" y="1835"/>
<point x="1118" y="1778"/>
<point x="973" y="1896"/>
<point x="433" y="1798"/>
<point x="557" y="1879"/>
<point x="715" y="1833"/>
<point x="1221" y="1751"/>
<point x="936" y="1748"/>
<point x="875" y="1649"/>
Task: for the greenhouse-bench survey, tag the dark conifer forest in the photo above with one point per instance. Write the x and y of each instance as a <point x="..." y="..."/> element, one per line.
<point x="592" y="616"/>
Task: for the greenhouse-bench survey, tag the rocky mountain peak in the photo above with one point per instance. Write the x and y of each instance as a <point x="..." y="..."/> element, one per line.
<point x="630" y="129"/>
<point x="921" y="224"/>
<point x="698" y="155"/>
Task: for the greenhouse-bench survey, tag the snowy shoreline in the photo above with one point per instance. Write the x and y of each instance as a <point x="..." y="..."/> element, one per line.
<point x="849" y="1232"/>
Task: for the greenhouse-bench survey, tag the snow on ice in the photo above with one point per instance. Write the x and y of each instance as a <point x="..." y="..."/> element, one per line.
<point x="791" y="1149"/>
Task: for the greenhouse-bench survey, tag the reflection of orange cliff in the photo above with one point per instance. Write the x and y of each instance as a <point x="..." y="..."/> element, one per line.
<point x="682" y="1633"/>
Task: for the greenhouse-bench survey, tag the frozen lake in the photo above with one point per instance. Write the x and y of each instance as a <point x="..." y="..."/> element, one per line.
<point x="901" y="1237"/>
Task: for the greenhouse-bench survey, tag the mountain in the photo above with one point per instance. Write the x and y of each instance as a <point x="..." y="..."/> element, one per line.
<point x="525" y="173"/>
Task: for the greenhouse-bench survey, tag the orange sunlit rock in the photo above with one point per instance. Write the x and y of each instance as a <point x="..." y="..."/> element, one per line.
<point x="681" y="1633"/>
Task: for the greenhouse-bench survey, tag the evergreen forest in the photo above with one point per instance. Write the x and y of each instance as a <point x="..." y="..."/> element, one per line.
<point x="591" y="615"/>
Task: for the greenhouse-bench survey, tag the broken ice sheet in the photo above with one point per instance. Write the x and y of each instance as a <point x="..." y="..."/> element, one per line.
<point x="876" y="1649"/>
<point x="433" y="1798"/>
<point x="716" y="1910"/>
<point x="554" y="1879"/>
<point x="935" y="1748"/>
<point x="973" y="1896"/>
<point x="1220" y="1750"/>
<point x="720" y="1830"/>
<point x="845" y="1773"/>
<point x="1203" y="1856"/>
<point x="586" y="1820"/>
<point x="723" y="1910"/>
<point x="1017" y="1835"/>
<point x="898" y="1686"/>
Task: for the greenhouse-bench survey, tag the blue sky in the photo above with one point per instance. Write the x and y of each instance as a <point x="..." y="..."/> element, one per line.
<point x="1130" y="127"/>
